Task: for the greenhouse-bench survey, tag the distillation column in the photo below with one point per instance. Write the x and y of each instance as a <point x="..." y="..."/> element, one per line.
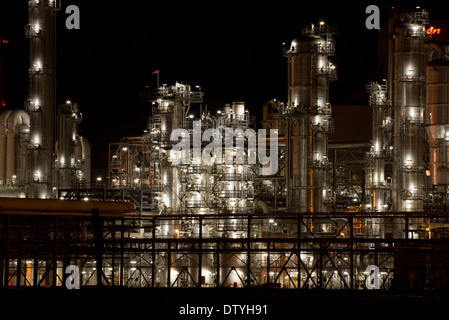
<point x="408" y="76"/>
<point x="308" y="114"/>
<point x="72" y="166"/>
<point x="41" y="100"/>
<point x="380" y="150"/>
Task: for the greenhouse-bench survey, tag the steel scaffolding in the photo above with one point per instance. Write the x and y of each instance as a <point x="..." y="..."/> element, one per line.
<point x="297" y="251"/>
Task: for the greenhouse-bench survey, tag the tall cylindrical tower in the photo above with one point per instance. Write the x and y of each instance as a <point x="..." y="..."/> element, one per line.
<point x="41" y="99"/>
<point x="408" y="98"/>
<point x="308" y="115"/>
<point x="380" y="152"/>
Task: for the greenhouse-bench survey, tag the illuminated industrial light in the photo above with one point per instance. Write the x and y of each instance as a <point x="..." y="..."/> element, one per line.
<point x="36" y="176"/>
<point x="125" y="149"/>
<point x="428" y="172"/>
<point x="68" y="102"/>
<point x="409" y="164"/>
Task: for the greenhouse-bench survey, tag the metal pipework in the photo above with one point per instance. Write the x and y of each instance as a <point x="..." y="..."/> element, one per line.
<point x="408" y="76"/>
<point x="308" y="115"/>
<point x="41" y="100"/>
<point x="437" y="95"/>
<point x="170" y="105"/>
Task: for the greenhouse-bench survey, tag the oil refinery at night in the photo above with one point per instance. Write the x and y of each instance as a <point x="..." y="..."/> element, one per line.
<point x="294" y="194"/>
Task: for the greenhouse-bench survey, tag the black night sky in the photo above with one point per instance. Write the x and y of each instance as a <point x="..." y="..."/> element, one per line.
<point x="233" y="50"/>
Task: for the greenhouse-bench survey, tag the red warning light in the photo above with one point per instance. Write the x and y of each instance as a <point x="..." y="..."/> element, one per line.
<point x="433" y="31"/>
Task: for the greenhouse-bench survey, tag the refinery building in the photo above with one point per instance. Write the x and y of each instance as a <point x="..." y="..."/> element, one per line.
<point x="329" y="214"/>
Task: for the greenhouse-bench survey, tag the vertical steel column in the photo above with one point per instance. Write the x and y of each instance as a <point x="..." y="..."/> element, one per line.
<point x="98" y="237"/>
<point x="351" y="251"/>
<point x="54" y="263"/>
<point x="248" y="252"/>
<point x="169" y="264"/>
<point x="7" y="249"/>
<point x="200" y="257"/>
<point x="122" y="250"/>
<point x="153" y="253"/>
<point x="268" y="260"/>
<point x="18" y="272"/>
<point x="298" y="254"/>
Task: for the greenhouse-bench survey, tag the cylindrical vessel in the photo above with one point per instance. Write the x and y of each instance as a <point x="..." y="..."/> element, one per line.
<point x="381" y="127"/>
<point x="408" y="104"/>
<point x="65" y="160"/>
<point x="309" y="121"/>
<point x="41" y="100"/>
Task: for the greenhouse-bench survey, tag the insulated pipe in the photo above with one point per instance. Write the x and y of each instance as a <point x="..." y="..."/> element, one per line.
<point x="65" y="207"/>
<point x="3" y="127"/>
<point x="436" y="50"/>
<point x="261" y="204"/>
